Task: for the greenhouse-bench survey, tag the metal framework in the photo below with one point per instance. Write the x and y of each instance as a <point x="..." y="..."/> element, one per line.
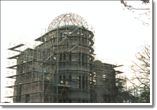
<point x="67" y="20"/>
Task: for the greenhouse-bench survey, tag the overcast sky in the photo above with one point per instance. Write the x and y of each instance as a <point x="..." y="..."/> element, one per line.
<point x="119" y="33"/>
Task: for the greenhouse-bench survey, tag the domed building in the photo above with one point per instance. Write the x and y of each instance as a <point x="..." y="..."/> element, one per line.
<point x="62" y="68"/>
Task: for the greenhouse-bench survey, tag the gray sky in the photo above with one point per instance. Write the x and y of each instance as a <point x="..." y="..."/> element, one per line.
<point x="119" y="33"/>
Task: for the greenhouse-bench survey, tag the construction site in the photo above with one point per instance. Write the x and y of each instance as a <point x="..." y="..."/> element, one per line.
<point x="63" y="69"/>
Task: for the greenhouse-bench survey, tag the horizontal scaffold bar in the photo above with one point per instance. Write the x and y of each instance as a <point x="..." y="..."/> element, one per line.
<point x="17" y="46"/>
<point x="14" y="57"/>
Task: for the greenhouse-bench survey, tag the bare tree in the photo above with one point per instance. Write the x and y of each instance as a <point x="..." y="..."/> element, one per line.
<point x="141" y="78"/>
<point x="141" y="13"/>
<point x="129" y="6"/>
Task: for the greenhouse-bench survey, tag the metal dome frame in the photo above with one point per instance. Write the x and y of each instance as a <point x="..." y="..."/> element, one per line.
<point x="67" y="20"/>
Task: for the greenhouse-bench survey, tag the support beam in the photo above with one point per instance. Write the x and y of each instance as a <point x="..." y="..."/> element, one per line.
<point x="14" y="57"/>
<point x="17" y="46"/>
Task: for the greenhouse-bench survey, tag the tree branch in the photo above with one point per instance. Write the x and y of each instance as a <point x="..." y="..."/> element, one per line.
<point x="132" y="8"/>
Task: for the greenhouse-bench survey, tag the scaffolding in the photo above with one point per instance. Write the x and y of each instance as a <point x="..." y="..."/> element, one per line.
<point x="58" y="69"/>
<point x="62" y="68"/>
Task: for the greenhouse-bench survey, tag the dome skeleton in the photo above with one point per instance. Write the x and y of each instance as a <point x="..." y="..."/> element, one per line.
<point x="66" y="20"/>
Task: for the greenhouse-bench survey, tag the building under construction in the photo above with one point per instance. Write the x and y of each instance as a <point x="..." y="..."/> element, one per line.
<point x="62" y="69"/>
